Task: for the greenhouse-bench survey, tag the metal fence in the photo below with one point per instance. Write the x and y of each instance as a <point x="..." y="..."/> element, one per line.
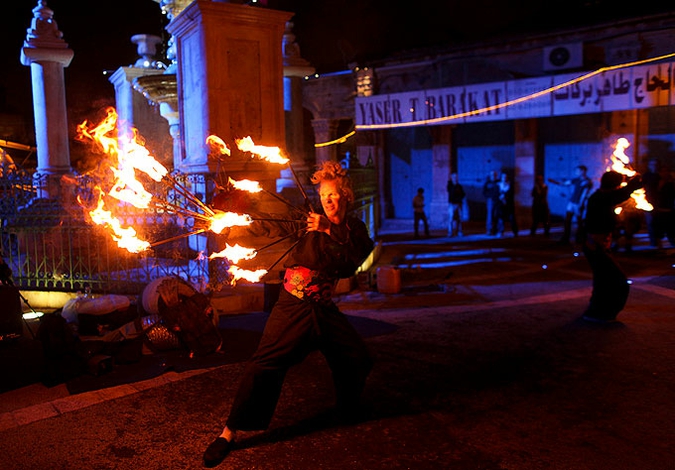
<point x="52" y="245"/>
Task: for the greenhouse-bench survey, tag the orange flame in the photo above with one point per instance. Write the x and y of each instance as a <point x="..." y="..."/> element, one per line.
<point x="222" y="220"/>
<point x="246" y="185"/>
<point x="621" y="164"/>
<point x="99" y="134"/>
<point x="131" y="155"/>
<point x="271" y="154"/>
<point x="125" y="237"/>
<point x="235" y="253"/>
<point x="127" y="188"/>
<point x="217" y="145"/>
<point x="251" y="276"/>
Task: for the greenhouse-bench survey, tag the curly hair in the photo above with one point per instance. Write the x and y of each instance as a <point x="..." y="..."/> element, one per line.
<point x="329" y="171"/>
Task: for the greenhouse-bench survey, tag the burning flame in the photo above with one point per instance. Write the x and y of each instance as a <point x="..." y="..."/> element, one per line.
<point x="217" y="145"/>
<point x="128" y="189"/>
<point x="125" y="237"/>
<point x="246" y="185"/>
<point x="222" y="220"/>
<point x="235" y="253"/>
<point x="99" y="134"/>
<point x="251" y="276"/>
<point x="271" y="154"/>
<point x="125" y="188"/>
<point x="132" y="158"/>
<point x="621" y="164"/>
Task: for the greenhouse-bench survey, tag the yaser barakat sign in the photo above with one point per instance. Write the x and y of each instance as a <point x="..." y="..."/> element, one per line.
<point x="611" y="90"/>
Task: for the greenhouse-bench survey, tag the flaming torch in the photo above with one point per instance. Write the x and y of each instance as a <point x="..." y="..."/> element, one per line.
<point x="620" y="163"/>
<point x="132" y="159"/>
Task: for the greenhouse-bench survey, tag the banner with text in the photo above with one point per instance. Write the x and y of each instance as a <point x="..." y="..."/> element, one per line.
<point x="613" y="90"/>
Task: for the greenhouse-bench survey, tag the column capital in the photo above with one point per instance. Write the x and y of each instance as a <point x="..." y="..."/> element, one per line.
<point x="44" y="42"/>
<point x="43" y="31"/>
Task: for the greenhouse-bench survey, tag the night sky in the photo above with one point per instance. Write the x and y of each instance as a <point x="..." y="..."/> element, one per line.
<point x="331" y="34"/>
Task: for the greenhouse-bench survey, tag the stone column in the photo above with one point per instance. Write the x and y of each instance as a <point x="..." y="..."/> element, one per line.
<point x="47" y="54"/>
<point x="525" y="167"/>
<point x="230" y="84"/>
<point x="230" y="81"/>
<point x="136" y="110"/>
<point x="325" y="131"/>
<point x="295" y="70"/>
<point x="440" y="174"/>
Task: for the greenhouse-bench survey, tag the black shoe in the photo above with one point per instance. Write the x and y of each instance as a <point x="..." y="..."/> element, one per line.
<point x="216" y="452"/>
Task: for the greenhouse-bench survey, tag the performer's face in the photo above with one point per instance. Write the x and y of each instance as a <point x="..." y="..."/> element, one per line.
<point x="332" y="201"/>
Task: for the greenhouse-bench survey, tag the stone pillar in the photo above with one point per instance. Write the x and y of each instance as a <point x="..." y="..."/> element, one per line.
<point x="325" y="131"/>
<point x="47" y="54"/>
<point x="230" y="82"/>
<point x="133" y="108"/>
<point x="525" y="166"/>
<point x="295" y="70"/>
<point x="440" y="155"/>
<point x="641" y="144"/>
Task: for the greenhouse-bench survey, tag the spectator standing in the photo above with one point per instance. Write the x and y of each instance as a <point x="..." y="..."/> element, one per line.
<point x="456" y="197"/>
<point x="506" y="207"/>
<point x="651" y="179"/>
<point x="664" y="211"/>
<point x="541" y="213"/>
<point x="610" y="285"/>
<point x="491" y="194"/>
<point x="581" y="186"/>
<point x="419" y="214"/>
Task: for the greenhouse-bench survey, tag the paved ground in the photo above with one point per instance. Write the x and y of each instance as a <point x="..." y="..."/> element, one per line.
<point x="481" y="363"/>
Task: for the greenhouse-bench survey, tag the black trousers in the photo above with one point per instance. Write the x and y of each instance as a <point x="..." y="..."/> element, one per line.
<point x="296" y="328"/>
<point x="610" y="284"/>
<point x="421" y="216"/>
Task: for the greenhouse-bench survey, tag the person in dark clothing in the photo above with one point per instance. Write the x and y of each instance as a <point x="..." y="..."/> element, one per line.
<point x="305" y="318"/>
<point x="491" y="194"/>
<point x="666" y="208"/>
<point x="651" y="179"/>
<point x="506" y="206"/>
<point x="541" y="213"/>
<point x="610" y="285"/>
<point x="581" y="186"/>
<point x="660" y="193"/>
<point x="456" y="197"/>
<point x="419" y="214"/>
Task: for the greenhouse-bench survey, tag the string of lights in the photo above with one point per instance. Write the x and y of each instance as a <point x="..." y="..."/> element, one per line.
<point x="505" y="104"/>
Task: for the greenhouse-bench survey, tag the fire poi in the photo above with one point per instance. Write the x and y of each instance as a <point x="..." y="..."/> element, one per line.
<point x="620" y="163"/>
<point x="130" y="163"/>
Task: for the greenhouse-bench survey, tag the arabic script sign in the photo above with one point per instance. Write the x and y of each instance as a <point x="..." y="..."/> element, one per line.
<point x="615" y="90"/>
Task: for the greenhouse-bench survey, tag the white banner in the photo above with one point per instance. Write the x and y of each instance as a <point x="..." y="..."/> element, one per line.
<point x="612" y="90"/>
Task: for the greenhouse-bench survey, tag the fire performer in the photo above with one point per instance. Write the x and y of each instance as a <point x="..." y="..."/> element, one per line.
<point x="305" y="318"/>
<point x="610" y="285"/>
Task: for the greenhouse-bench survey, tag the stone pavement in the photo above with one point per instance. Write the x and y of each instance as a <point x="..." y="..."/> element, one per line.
<point x="482" y="362"/>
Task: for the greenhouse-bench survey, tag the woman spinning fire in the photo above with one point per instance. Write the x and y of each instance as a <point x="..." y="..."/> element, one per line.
<point x="305" y="318"/>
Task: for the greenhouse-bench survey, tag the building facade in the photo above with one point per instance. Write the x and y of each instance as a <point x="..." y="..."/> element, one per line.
<point x="525" y="106"/>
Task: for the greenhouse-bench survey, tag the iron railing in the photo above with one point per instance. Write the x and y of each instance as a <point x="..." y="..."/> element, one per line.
<point x="52" y="245"/>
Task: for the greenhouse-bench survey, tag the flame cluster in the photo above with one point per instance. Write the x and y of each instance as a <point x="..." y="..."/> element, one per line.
<point x="129" y="159"/>
<point x="620" y="163"/>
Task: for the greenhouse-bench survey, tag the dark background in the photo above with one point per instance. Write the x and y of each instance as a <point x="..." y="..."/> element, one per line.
<point x="331" y="33"/>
